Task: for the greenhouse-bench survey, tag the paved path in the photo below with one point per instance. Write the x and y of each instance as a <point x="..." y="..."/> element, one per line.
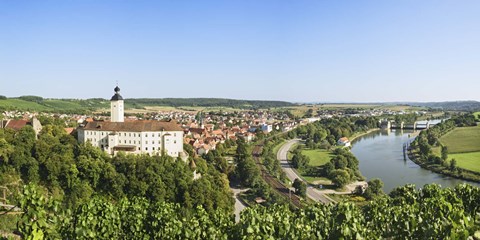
<point x="238" y="204"/>
<point x="312" y="192"/>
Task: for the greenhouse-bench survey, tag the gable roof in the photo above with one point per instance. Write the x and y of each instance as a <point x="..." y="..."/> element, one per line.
<point x="16" y="124"/>
<point x="133" y="126"/>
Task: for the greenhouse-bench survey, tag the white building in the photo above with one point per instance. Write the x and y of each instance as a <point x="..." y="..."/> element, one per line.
<point x="147" y="136"/>
<point x="343" y="142"/>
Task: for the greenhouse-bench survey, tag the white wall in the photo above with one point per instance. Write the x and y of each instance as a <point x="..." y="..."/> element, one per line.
<point x="144" y="142"/>
<point x="116" y="111"/>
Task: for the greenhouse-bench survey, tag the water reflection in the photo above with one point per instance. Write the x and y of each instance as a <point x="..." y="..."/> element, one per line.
<point x="381" y="156"/>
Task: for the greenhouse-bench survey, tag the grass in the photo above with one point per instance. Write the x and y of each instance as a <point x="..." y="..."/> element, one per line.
<point x="318" y="157"/>
<point x="277" y="147"/>
<point x="462" y="140"/>
<point x="290" y="152"/>
<point x="469" y="161"/>
<point x="317" y="180"/>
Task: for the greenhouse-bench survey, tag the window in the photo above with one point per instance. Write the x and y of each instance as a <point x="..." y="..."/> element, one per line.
<point x="153" y="148"/>
<point x="153" y="134"/>
<point x="146" y="142"/>
<point x="146" y="149"/>
<point x="159" y="134"/>
<point x="129" y="134"/>
<point x="153" y="142"/>
<point x="130" y="141"/>
<point x="175" y="141"/>
<point x="174" y="134"/>
<point x="125" y="141"/>
<point x="158" y="141"/>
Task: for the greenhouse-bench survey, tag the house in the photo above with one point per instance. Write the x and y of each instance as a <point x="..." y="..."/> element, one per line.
<point x="343" y="142"/>
<point x="19" y="124"/>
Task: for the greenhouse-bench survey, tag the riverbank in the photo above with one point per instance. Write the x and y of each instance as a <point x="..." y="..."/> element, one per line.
<point x="358" y="135"/>
<point x="458" y="173"/>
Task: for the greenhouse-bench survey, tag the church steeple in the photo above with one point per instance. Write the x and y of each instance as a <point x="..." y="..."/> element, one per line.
<point x="116" y="106"/>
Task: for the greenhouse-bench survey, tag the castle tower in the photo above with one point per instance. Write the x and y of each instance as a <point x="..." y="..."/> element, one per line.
<point x="116" y="106"/>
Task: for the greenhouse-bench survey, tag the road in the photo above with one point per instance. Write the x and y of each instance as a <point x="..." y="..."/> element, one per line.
<point x="312" y="192"/>
<point x="238" y="204"/>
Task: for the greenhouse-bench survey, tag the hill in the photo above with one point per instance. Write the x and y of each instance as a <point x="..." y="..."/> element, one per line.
<point x="452" y="106"/>
<point x="39" y="104"/>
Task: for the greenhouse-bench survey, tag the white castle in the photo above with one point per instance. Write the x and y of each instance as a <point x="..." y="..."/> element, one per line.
<point x="142" y="136"/>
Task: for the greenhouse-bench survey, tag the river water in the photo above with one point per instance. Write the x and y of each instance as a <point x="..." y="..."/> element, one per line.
<point x="380" y="155"/>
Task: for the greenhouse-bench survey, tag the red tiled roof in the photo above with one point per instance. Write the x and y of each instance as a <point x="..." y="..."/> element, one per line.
<point x="69" y="130"/>
<point x="16" y="124"/>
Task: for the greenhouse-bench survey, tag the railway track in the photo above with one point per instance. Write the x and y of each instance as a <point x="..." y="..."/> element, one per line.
<point x="274" y="182"/>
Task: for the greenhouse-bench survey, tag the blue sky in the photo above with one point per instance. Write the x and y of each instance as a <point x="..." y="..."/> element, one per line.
<point x="300" y="51"/>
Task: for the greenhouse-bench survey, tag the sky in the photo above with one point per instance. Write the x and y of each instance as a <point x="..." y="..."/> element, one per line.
<point x="297" y="51"/>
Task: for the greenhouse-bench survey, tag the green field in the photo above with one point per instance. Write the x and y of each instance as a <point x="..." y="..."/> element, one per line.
<point x="22" y="105"/>
<point x="318" y="157"/>
<point x="52" y="105"/>
<point x="464" y="146"/>
<point x="462" y="140"/>
<point x="470" y="161"/>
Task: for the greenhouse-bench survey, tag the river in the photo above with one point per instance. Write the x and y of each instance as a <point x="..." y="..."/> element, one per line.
<point x="380" y="155"/>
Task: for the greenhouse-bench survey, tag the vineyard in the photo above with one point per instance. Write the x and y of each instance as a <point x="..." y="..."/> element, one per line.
<point x="430" y="213"/>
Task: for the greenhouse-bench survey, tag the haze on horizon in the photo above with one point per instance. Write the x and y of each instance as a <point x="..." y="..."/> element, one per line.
<point x="297" y="51"/>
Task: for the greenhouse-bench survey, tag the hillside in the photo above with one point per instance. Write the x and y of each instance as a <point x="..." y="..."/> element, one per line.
<point x="452" y="106"/>
<point x="39" y="104"/>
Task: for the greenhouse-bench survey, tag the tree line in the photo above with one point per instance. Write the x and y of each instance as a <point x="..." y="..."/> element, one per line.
<point x="73" y="173"/>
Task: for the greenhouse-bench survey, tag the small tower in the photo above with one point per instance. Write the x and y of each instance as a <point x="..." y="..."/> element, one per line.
<point x="116" y="106"/>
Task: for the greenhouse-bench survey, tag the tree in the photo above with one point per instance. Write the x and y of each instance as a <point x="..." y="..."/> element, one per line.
<point x="5" y="150"/>
<point x="374" y="188"/>
<point x="299" y="160"/>
<point x="300" y="187"/>
<point x="340" y="177"/>
<point x="444" y="153"/>
<point x="453" y="165"/>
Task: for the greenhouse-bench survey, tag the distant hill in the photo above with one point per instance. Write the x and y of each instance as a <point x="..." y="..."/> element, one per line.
<point x="207" y="102"/>
<point x="452" y="106"/>
<point x="39" y="104"/>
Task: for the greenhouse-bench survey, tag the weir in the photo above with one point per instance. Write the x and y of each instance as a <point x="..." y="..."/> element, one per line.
<point x="403" y="125"/>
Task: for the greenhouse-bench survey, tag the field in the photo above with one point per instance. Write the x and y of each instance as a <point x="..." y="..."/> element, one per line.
<point x="22" y="104"/>
<point x="470" y="161"/>
<point x="300" y="110"/>
<point x="317" y="157"/>
<point x="462" y="140"/>
<point x="464" y="146"/>
<point x="52" y="105"/>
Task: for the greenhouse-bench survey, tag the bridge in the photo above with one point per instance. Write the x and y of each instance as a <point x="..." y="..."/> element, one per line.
<point x="413" y="126"/>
